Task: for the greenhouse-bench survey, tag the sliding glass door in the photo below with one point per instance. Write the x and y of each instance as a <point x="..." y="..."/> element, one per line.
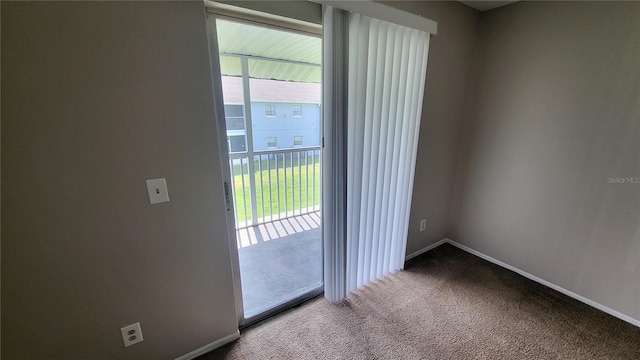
<point x="271" y="96"/>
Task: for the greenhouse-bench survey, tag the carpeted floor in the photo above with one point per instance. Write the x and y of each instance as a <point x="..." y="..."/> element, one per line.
<point x="447" y="304"/>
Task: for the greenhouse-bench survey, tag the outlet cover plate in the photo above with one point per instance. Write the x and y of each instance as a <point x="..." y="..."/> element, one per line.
<point x="131" y="334"/>
<point x="423" y="225"/>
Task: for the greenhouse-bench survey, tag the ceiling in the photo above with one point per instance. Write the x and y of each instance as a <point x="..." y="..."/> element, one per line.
<point x="486" y="5"/>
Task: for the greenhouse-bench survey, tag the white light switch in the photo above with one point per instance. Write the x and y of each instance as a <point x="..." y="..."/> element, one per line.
<point x="157" y="189"/>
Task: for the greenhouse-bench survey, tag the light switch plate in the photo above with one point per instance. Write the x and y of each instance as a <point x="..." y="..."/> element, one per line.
<point x="157" y="189"/>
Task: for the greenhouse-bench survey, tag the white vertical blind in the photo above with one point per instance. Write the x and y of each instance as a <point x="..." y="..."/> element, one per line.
<point x="387" y="66"/>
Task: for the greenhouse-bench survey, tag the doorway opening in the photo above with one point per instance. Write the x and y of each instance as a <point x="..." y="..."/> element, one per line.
<point x="271" y="87"/>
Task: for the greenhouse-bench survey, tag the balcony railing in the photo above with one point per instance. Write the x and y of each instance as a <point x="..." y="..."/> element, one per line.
<point x="275" y="184"/>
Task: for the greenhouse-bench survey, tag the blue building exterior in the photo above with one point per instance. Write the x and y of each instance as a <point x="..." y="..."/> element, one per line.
<point x="284" y="114"/>
<point x="275" y="125"/>
<point x="289" y="124"/>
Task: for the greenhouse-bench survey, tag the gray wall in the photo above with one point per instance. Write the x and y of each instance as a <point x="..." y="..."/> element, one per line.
<point x="555" y="114"/>
<point x="451" y="56"/>
<point x="98" y="97"/>
<point x="296" y="9"/>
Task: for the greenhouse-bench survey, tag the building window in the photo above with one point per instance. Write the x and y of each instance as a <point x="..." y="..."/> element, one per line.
<point x="237" y="143"/>
<point x="235" y="117"/>
<point x="297" y="110"/>
<point x="272" y="142"/>
<point x="297" y="140"/>
<point x="270" y="110"/>
<point x="233" y="110"/>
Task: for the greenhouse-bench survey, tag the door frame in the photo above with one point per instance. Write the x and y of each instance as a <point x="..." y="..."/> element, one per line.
<point x="223" y="151"/>
<point x="212" y="14"/>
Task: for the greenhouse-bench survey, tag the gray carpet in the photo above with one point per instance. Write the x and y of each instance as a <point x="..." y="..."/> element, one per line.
<point x="447" y="304"/>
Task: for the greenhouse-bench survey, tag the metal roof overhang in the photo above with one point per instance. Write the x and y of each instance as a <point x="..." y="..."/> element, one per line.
<point x="272" y="54"/>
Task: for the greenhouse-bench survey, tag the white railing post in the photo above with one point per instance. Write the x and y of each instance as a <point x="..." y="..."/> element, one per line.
<point x="249" y="138"/>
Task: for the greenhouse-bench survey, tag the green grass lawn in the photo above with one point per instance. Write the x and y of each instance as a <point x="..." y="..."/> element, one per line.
<point x="295" y="194"/>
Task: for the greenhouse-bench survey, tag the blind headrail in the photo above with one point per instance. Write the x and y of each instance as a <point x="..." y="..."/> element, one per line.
<point x="384" y="12"/>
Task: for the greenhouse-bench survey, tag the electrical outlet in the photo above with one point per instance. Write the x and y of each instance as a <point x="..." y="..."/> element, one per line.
<point x="131" y="334"/>
<point x="423" y="224"/>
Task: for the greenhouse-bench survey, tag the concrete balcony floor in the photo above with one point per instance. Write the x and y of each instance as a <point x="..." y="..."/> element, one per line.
<point x="279" y="261"/>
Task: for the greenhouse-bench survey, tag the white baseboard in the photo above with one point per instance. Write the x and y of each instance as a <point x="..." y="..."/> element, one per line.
<point x="205" y="349"/>
<point x="425" y="249"/>
<point x="546" y="283"/>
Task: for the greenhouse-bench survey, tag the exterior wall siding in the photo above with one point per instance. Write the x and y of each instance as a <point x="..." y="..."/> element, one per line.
<point x="284" y="126"/>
